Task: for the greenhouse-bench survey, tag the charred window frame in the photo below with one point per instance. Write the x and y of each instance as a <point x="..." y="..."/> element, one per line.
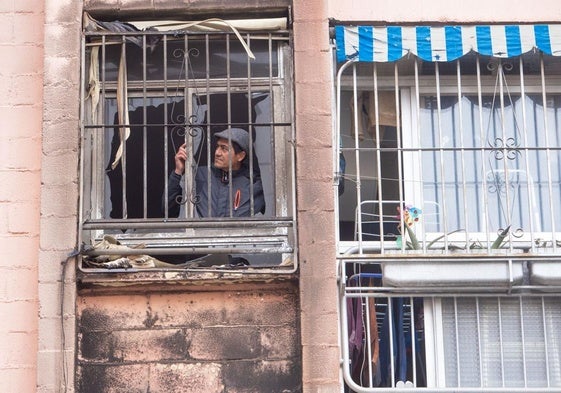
<point x="146" y="92"/>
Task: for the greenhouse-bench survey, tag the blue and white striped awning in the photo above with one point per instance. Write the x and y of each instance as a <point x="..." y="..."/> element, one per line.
<point x="443" y="43"/>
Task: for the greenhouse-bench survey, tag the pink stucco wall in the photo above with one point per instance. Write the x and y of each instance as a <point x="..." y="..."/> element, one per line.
<point x="21" y="81"/>
<point x="445" y="11"/>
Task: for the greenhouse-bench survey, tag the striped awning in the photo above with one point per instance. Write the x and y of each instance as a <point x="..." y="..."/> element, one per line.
<point x="443" y="43"/>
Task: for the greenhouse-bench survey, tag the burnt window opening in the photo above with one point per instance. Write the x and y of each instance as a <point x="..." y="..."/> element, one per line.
<point x="148" y="92"/>
<point x="203" y="118"/>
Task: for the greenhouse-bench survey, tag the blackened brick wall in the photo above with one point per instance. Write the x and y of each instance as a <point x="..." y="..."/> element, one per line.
<point x="243" y="339"/>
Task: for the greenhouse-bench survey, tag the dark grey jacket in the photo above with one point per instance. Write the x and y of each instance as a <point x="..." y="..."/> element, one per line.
<point x="220" y="199"/>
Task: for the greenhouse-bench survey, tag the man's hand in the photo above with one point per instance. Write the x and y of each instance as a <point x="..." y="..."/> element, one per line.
<point x="180" y="158"/>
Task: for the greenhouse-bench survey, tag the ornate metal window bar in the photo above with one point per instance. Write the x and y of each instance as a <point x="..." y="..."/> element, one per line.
<point x="442" y="158"/>
<point x="147" y="92"/>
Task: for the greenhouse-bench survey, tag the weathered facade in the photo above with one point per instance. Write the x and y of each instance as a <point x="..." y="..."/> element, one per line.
<point x="66" y="328"/>
<point x="145" y="332"/>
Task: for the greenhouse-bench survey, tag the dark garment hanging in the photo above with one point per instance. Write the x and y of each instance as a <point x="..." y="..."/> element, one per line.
<point x="358" y="351"/>
<point x="374" y="342"/>
<point x="356" y="335"/>
<point x="395" y="312"/>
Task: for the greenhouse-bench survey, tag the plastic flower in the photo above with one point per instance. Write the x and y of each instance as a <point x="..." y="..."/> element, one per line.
<point x="410" y="215"/>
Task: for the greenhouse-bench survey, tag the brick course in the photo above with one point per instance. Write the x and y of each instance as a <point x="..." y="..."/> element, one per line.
<point x="314" y="176"/>
<point x="21" y="97"/>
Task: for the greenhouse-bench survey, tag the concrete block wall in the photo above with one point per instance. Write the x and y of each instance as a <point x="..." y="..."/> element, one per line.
<point x="243" y="339"/>
<point x="21" y="80"/>
<point x="314" y="176"/>
<point x="59" y="194"/>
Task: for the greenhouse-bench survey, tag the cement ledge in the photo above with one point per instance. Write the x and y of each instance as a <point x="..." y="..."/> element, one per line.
<point x="180" y="279"/>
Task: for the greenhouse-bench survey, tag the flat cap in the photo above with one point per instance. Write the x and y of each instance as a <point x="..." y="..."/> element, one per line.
<point x="238" y="135"/>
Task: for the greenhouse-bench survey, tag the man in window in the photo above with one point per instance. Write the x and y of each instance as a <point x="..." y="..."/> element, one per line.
<point x="232" y="151"/>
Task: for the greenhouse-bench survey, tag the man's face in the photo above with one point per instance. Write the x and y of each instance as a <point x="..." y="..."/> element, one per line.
<point x="225" y="153"/>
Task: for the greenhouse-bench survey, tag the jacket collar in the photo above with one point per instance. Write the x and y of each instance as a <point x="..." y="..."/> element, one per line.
<point x="223" y="175"/>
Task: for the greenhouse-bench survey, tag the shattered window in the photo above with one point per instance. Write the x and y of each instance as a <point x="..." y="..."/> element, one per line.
<point x="187" y="160"/>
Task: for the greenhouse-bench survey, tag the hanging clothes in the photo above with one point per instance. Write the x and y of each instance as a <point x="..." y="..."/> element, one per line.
<point x="357" y="308"/>
<point x="356" y="335"/>
<point x="398" y="352"/>
<point x="374" y="342"/>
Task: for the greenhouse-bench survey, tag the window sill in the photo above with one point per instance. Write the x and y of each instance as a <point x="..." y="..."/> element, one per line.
<point x="193" y="278"/>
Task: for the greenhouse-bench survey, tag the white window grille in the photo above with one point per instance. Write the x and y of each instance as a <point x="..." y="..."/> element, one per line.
<point x="470" y="144"/>
<point x="147" y="92"/>
<point x="446" y="181"/>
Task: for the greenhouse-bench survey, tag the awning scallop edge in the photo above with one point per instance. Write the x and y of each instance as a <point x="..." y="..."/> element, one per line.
<point x="444" y="43"/>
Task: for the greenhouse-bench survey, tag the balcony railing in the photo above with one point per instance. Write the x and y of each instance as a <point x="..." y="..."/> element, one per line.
<point x="448" y="324"/>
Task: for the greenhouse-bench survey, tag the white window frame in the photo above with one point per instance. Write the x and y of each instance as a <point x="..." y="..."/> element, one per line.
<point x="412" y="170"/>
<point x="410" y="89"/>
<point x="442" y="342"/>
